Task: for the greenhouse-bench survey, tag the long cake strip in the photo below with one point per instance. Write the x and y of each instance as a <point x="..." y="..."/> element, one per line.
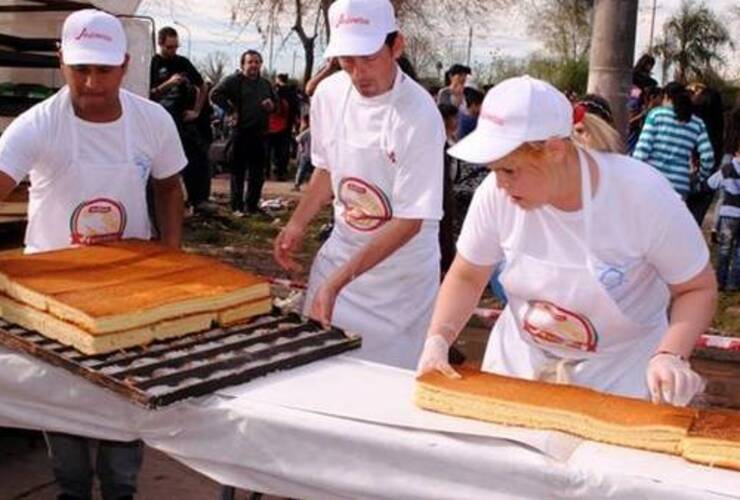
<point x="539" y="405"/>
<point x="714" y="439"/>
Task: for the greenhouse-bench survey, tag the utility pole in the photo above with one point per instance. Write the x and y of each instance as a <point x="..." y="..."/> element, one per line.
<point x="652" y="26"/>
<point x="612" y="53"/>
<point x="470" y="45"/>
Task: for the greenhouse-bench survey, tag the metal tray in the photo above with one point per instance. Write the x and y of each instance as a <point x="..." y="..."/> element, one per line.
<point x="167" y="371"/>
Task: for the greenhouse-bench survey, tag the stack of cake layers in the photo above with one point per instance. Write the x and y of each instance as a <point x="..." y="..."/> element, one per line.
<point x="708" y="437"/>
<point x="107" y="297"/>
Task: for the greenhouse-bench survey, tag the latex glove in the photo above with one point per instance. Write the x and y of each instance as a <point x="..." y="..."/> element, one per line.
<point x="671" y="380"/>
<point x="435" y="356"/>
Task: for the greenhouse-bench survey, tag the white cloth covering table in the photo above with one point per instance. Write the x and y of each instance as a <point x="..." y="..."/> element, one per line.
<point x="356" y="435"/>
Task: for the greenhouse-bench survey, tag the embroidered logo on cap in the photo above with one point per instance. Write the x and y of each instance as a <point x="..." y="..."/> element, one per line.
<point x="93" y="35"/>
<point x="345" y="19"/>
<point x="492" y="118"/>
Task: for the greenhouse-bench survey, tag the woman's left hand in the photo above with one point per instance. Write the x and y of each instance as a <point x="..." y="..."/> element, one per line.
<point x="671" y="380"/>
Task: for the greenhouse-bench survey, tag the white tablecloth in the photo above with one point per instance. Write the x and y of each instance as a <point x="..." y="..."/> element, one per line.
<point x="342" y="428"/>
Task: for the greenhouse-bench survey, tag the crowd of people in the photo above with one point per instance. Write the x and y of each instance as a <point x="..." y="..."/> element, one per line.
<point x="591" y="239"/>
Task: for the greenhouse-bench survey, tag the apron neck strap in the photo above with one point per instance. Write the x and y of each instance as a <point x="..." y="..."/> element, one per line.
<point x="128" y="150"/>
<point x="339" y="129"/>
<point x="586" y="207"/>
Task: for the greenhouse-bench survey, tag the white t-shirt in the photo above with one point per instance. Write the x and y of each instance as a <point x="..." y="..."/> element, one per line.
<point x="39" y="142"/>
<point x="641" y="228"/>
<point x="417" y="190"/>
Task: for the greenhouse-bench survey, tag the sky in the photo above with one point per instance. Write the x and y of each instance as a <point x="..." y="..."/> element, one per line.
<point x="205" y="27"/>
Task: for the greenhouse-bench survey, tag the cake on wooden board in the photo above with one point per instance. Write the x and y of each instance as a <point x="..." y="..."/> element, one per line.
<point x="106" y="297"/>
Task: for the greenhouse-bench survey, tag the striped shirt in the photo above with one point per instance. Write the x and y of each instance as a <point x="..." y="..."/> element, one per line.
<point x="730" y="185"/>
<point x="667" y="144"/>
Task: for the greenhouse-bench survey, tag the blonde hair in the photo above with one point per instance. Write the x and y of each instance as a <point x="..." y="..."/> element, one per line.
<point x="595" y="133"/>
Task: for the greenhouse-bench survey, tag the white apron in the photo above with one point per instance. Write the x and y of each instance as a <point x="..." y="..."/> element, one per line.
<point x="87" y="202"/>
<point x="390" y="305"/>
<point x="562" y="324"/>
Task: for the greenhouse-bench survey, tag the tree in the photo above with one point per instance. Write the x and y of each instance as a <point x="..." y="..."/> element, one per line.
<point x="563" y="25"/>
<point x="213" y="66"/>
<point x="692" y="42"/>
<point x="422" y="15"/>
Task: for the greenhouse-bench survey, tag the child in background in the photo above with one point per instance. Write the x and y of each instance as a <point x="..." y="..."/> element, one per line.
<point x="305" y="168"/>
<point x="728" y="178"/>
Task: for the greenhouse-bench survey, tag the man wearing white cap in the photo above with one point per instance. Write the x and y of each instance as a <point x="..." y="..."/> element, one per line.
<point x="377" y="140"/>
<point x="89" y="151"/>
<point x="596" y="245"/>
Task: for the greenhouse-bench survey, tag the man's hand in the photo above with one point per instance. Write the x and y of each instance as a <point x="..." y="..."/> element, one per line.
<point x="174" y="80"/>
<point x="671" y="380"/>
<point x="190" y="115"/>
<point x="268" y="105"/>
<point x="287" y="243"/>
<point x="322" y="307"/>
<point x="435" y="356"/>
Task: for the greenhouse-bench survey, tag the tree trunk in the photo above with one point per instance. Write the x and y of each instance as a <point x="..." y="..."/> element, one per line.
<point x="612" y="53"/>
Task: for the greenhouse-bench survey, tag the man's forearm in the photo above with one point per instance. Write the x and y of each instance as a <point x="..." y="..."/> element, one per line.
<point x="169" y="204"/>
<point x="395" y="234"/>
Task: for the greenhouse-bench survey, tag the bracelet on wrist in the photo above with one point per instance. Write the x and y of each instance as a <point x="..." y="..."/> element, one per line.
<point x="679" y="356"/>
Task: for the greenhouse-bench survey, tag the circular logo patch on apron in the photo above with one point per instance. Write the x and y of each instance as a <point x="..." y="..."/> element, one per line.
<point x="97" y="221"/>
<point x="366" y="207"/>
<point x="551" y="325"/>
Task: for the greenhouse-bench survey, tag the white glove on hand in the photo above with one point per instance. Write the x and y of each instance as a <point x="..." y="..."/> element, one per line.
<point x="435" y="357"/>
<point x="671" y="380"/>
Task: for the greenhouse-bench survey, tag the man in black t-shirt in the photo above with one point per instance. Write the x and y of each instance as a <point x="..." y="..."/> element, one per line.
<point x="180" y="89"/>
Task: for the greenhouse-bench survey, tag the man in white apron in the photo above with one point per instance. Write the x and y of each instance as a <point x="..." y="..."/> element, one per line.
<point x="377" y="142"/>
<point x="89" y="151"/>
<point x="596" y="247"/>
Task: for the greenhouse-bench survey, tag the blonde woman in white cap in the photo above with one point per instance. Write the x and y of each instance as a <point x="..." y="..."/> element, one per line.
<point x="597" y="245"/>
<point x="89" y="151"/>
<point x="377" y="143"/>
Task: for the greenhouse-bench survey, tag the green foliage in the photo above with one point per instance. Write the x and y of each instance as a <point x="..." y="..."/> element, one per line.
<point x="568" y="75"/>
<point x="564" y="26"/>
<point x="692" y="42"/>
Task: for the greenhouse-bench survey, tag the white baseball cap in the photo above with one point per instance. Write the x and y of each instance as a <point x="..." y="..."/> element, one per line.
<point x="517" y="110"/>
<point x="92" y="36"/>
<point x="359" y="27"/>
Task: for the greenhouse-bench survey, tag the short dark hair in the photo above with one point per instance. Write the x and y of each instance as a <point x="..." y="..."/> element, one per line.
<point x="250" y="52"/>
<point x="459" y="69"/>
<point x="165" y="33"/>
<point x="282" y="77"/>
<point x="390" y="38"/>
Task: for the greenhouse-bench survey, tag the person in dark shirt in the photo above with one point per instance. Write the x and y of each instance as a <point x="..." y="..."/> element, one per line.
<point x="251" y="98"/>
<point x="180" y="89"/>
